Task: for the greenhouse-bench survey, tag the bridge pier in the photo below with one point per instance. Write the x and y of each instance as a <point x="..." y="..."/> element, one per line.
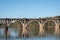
<point x="57" y="30"/>
<point x="41" y="31"/>
<point x="24" y="32"/>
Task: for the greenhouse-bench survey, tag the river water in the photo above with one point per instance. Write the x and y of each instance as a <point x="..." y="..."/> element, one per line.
<point x="14" y="34"/>
<point x="34" y="38"/>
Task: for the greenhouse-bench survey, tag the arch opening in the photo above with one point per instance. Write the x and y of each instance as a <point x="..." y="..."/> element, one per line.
<point x="2" y="29"/>
<point x="15" y="29"/>
<point x="49" y="27"/>
<point x="33" y="28"/>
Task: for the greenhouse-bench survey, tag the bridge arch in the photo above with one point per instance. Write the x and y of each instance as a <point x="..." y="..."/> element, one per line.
<point x="49" y="27"/>
<point x="17" y="27"/>
<point x="33" y="28"/>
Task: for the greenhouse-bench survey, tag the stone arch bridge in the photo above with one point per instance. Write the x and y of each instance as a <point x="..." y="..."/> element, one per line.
<point x="31" y="26"/>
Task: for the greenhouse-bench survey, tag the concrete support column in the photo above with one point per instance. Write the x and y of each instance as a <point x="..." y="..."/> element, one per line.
<point x="6" y="29"/>
<point x="41" y="31"/>
<point x="6" y="32"/>
<point x="24" y="31"/>
<point x="57" y="30"/>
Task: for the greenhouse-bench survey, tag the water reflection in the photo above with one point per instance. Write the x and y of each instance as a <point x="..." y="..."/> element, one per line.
<point x="35" y="38"/>
<point x="13" y="32"/>
<point x="2" y="32"/>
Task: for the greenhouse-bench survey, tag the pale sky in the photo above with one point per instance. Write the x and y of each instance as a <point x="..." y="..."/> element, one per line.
<point x="29" y="8"/>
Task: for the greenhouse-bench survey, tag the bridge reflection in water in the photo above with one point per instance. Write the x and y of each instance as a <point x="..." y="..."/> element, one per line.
<point x="13" y="32"/>
<point x="1" y="32"/>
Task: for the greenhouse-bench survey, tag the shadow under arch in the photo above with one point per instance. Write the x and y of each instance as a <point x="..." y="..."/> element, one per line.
<point x="49" y="27"/>
<point x="2" y="25"/>
<point x="16" y="27"/>
<point x="33" y="28"/>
